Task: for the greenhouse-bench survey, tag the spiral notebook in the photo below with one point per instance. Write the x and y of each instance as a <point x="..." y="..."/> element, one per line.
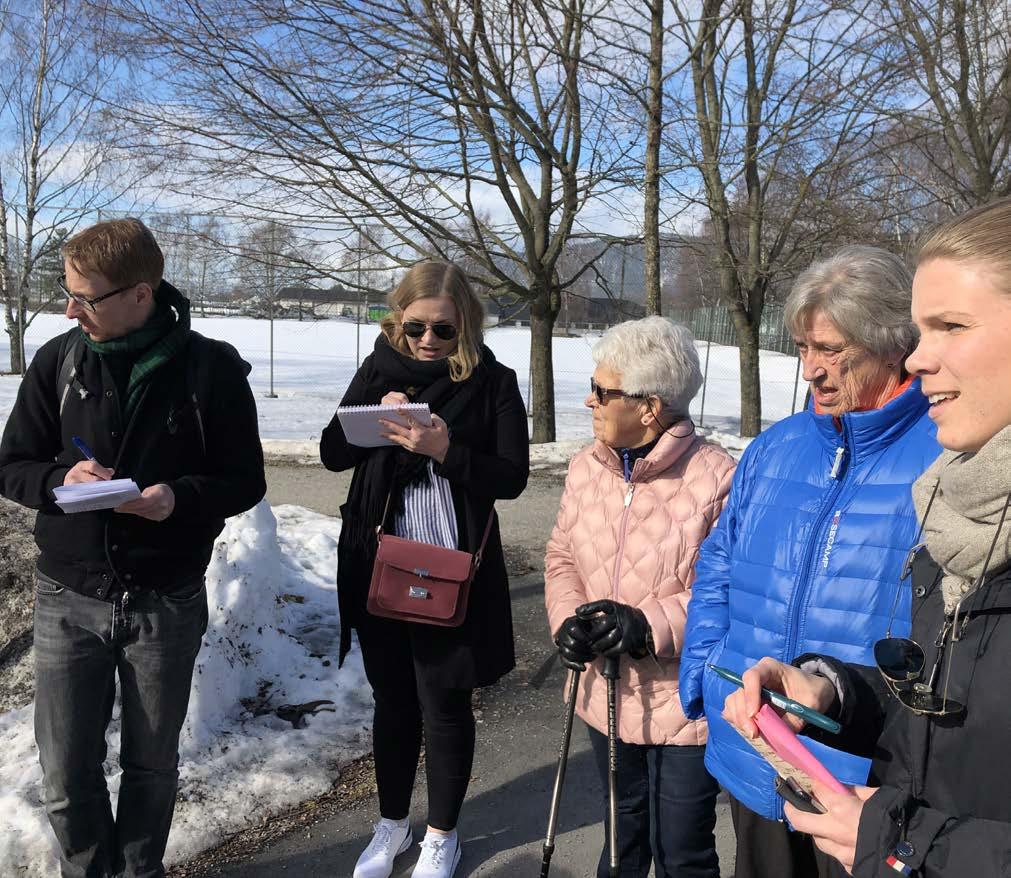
<point x="361" y="422"/>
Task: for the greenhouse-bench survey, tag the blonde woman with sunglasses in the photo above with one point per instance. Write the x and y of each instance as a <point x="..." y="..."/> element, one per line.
<point x="441" y="483"/>
<point x="935" y="712"/>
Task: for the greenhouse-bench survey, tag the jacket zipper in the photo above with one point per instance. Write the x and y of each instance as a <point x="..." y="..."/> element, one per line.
<point x="838" y="475"/>
<point x="621" y="541"/>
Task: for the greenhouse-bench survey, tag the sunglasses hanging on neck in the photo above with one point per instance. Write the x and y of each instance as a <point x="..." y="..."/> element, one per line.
<point x="902" y="661"/>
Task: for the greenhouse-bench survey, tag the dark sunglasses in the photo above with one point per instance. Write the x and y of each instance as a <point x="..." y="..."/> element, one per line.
<point x="84" y="300"/>
<point x="901" y="661"/>
<point x="603" y="393"/>
<point x="416" y="329"/>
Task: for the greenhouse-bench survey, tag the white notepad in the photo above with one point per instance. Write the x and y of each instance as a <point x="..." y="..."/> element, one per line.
<point x="361" y="422"/>
<point x="89" y="496"/>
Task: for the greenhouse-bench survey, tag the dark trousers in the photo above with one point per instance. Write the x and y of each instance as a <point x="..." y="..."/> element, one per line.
<point x="769" y="849"/>
<point x="409" y="706"/>
<point x="81" y="645"/>
<point x="666" y="810"/>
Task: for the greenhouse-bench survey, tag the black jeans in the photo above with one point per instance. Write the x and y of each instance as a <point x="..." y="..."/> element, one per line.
<point x="666" y="810"/>
<point x="407" y="707"/>
<point x="770" y="849"/>
<point x="81" y="645"/>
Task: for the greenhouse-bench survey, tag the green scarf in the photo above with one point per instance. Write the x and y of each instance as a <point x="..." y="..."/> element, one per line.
<point x="162" y="336"/>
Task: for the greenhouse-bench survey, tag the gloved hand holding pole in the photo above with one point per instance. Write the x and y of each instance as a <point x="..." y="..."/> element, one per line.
<point x="573" y="640"/>
<point x="617" y="629"/>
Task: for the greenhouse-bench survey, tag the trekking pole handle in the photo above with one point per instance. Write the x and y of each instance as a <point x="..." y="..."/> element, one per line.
<point x="610" y="671"/>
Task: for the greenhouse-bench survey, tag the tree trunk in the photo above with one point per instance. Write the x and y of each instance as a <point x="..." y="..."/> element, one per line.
<point x="654" y="129"/>
<point x="15" y="334"/>
<point x="542" y="373"/>
<point x="751" y="387"/>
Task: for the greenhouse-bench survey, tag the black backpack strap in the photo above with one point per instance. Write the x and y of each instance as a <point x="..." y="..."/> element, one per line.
<point x="201" y="354"/>
<point x="198" y="371"/>
<point x="68" y="369"/>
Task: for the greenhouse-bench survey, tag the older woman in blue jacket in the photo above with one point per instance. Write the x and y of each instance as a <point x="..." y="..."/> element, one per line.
<point x="817" y="525"/>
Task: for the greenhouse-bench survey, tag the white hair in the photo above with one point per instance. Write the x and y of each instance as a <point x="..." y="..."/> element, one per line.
<point x="655" y="357"/>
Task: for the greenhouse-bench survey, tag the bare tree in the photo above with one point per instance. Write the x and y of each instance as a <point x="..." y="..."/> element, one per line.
<point x="52" y="131"/>
<point x="413" y="115"/>
<point x="957" y="57"/>
<point x="774" y="113"/>
<point x="270" y="256"/>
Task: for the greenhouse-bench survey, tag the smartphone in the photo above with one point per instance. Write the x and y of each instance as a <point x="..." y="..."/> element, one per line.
<point x="790" y="791"/>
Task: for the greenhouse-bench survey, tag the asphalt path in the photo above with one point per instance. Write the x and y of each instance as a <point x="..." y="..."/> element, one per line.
<point x="519" y="730"/>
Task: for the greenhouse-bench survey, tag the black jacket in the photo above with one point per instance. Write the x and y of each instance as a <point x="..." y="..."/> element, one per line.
<point x="488" y="459"/>
<point x="945" y="781"/>
<point x="103" y="553"/>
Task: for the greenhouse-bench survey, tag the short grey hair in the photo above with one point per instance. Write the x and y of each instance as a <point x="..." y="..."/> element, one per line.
<point x="866" y="292"/>
<point x="655" y="357"/>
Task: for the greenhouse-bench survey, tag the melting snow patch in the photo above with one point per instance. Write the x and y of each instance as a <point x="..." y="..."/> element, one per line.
<point x="271" y="642"/>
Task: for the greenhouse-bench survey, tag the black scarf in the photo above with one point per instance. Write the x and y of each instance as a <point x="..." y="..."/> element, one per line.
<point x="389" y="470"/>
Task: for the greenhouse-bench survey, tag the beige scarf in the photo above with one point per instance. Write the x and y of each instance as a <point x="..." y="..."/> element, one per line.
<point x="972" y="488"/>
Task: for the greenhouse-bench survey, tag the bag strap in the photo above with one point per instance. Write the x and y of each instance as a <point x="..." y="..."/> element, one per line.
<point x="478" y="555"/>
<point x="68" y="370"/>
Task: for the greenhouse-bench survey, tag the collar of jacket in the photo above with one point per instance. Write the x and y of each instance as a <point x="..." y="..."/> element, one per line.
<point x="671" y="446"/>
<point x="869" y="431"/>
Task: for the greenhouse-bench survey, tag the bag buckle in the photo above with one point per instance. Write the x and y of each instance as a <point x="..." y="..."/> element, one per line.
<point x="422" y="572"/>
<point x="416" y="591"/>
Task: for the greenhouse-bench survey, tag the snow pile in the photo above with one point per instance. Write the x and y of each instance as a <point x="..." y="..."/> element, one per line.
<point x="271" y="640"/>
<point x="730" y="441"/>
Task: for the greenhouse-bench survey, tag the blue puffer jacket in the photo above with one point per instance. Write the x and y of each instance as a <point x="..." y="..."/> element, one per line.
<point x="806" y="557"/>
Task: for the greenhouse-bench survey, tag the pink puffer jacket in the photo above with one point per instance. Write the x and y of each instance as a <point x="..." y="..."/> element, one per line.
<point x="636" y="542"/>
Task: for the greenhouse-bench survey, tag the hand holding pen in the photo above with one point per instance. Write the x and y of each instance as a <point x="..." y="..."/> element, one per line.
<point x="87" y="470"/>
<point x="807" y="699"/>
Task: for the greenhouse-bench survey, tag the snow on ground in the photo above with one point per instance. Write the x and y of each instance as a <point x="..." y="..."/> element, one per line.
<point x="272" y="640"/>
<point x="273" y="632"/>
<point x="315" y="360"/>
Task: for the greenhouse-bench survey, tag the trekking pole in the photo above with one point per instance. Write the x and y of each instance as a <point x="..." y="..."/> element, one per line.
<point x="563" y="761"/>
<point x="610" y="673"/>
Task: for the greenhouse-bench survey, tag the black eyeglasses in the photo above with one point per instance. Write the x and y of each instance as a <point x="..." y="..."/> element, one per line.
<point x="603" y="393"/>
<point x="84" y="300"/>
<point x="416" y="329"/>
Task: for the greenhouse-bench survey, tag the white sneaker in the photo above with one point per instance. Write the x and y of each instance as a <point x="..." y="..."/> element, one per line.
<point x="440" y="855"/>
<point x="391" y="837"/>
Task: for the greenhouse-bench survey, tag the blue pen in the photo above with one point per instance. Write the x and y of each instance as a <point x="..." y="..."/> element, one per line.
<point x="82" y="447"/>
<point x="783" y="703"/>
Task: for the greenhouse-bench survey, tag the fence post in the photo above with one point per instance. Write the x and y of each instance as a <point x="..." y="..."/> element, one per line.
<point x="705" y="370"/>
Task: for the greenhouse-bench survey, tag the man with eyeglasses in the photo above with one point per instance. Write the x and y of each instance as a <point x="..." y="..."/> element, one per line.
<point x="136" y="393"/>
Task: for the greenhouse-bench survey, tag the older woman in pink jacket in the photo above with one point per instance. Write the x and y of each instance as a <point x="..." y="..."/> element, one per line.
<point x="618" y="572"/>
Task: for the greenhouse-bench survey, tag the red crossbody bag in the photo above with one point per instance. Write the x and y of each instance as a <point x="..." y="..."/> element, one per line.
<point x="419" y="582"/>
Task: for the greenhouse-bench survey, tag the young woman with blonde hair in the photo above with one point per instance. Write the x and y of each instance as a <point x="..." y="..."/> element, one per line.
<point x="442" y="482"/>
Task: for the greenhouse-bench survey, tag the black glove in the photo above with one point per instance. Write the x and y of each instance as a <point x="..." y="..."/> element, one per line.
<point x="616" y="629"/>
<point x="573" y="642"/>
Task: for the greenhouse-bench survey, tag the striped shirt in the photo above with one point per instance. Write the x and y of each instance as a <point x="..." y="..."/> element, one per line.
<point x="428" y="515"/>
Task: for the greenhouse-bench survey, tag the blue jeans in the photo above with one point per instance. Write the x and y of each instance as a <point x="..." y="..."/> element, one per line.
<point x="666" y="810"/>
<point x="81" y="644"/>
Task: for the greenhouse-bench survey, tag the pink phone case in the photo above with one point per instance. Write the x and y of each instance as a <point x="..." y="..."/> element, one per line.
<point x="784" y="744"/>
